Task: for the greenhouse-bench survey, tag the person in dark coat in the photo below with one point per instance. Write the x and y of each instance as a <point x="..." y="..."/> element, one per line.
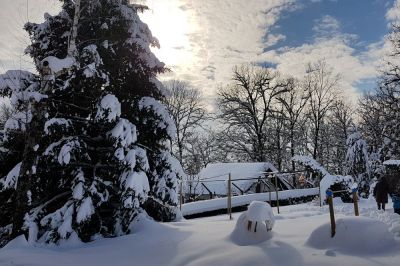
<point x="381" y="192"/>
<point x="392" y="169"/>
<point x="396" y="203"/>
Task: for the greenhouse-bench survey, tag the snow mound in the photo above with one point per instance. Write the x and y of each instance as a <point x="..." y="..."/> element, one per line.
<point x="254" y="226"/>
<point x="19" y="242"/>
<point x="354" y="235"/>
<point x="146" y="225"/>
<point x="73" y="241"/>
<point x="259" y="211"/>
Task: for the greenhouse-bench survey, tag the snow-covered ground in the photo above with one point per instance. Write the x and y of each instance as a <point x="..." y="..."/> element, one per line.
<point x="300" y="236"/>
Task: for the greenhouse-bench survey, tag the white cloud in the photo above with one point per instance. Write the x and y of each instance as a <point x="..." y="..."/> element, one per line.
<point x="201" y="41"/>
<point x="221" y="34"/>
<point x="273" y="39"/>
<point x="393" y="13"/>
<point x="338" y="54"/>
<point x="337" y="49"/>
<point x="326" y="25"/>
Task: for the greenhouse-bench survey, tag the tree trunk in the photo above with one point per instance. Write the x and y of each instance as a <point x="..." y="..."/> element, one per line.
<point x="74" y="32"/>
<point x="180" y="151"/>
<point x="279" y="150"/>
<point x="260" y="148"/>
<point x="316" y="138"/>
<point x="25" y="179"/>
<point x="292" y="155"/>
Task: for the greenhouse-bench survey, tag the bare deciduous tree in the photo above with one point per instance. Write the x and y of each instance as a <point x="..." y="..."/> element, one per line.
<point x="5" y="112"/>
<point x="202" y="149"/>
<point x="322" y="86"/>
<point x="245" y="107"/>
<point x="341" y="119"/>
<point x="293" y="104"/>
<point x="185" y="104"/>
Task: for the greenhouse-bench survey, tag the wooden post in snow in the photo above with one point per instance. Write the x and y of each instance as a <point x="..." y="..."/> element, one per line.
<point x="229" y="197"/>
<point x="276" y="191"/>
<point x="269" y="194"/>
<point x="319" y="189"/>
<point x="355" y="200"/>
<point x="329" y="195"/>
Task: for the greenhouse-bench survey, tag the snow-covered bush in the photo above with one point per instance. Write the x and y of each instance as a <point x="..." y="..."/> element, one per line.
<point x="357" y="163"/>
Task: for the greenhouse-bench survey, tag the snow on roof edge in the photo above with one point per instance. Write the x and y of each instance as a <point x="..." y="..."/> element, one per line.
<point x="392" y="162"/>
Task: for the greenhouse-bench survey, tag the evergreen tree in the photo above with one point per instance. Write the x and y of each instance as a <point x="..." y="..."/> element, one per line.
<point x="94" y="153"/>
<point x="17" y="86"/>
<point x="357" y="162"/>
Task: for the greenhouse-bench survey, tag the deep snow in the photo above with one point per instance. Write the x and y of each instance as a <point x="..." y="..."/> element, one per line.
<point x="300" y="236"/>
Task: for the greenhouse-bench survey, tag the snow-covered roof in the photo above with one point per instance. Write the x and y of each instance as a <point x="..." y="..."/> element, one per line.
<point x="392" y="162"/>
<point x="311" y="163"/>
<point x="219" y="172"/>
<point x="328" y="180"/>
<point x="237" y="170"/>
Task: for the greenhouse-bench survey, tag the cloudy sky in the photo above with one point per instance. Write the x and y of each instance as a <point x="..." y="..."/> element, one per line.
<point x="201" y="40"/>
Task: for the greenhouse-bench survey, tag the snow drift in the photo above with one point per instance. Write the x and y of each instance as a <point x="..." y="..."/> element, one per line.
<point x="354" y="235"/>
<point x="254" y="225"/>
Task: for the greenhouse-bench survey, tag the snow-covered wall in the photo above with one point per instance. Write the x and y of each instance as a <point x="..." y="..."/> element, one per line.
<point x="221" y="203"/>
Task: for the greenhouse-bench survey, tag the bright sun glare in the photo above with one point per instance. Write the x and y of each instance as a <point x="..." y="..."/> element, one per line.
<point x="170" y="25"/>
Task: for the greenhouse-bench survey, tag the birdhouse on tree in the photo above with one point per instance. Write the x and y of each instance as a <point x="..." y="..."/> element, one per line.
<point x="51" y="67"/>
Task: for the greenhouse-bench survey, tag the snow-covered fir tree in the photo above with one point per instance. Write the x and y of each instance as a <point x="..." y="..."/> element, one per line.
<point x="19" y="86"/>
<point x="357" y="162"/>
<point x="87" y="150"/>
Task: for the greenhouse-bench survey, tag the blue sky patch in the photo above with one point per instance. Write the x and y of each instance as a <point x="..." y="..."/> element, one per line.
<point x="365" y="19"/>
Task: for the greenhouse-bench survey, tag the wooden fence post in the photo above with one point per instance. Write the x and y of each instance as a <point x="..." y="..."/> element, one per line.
<point x="230" y="197"/>
<point x="329" y="195"/>
<point x="355" y="200"/>
<point x="276" y="191"/>
<point x="320" y="196"/>
<point x="270" y="200"/>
